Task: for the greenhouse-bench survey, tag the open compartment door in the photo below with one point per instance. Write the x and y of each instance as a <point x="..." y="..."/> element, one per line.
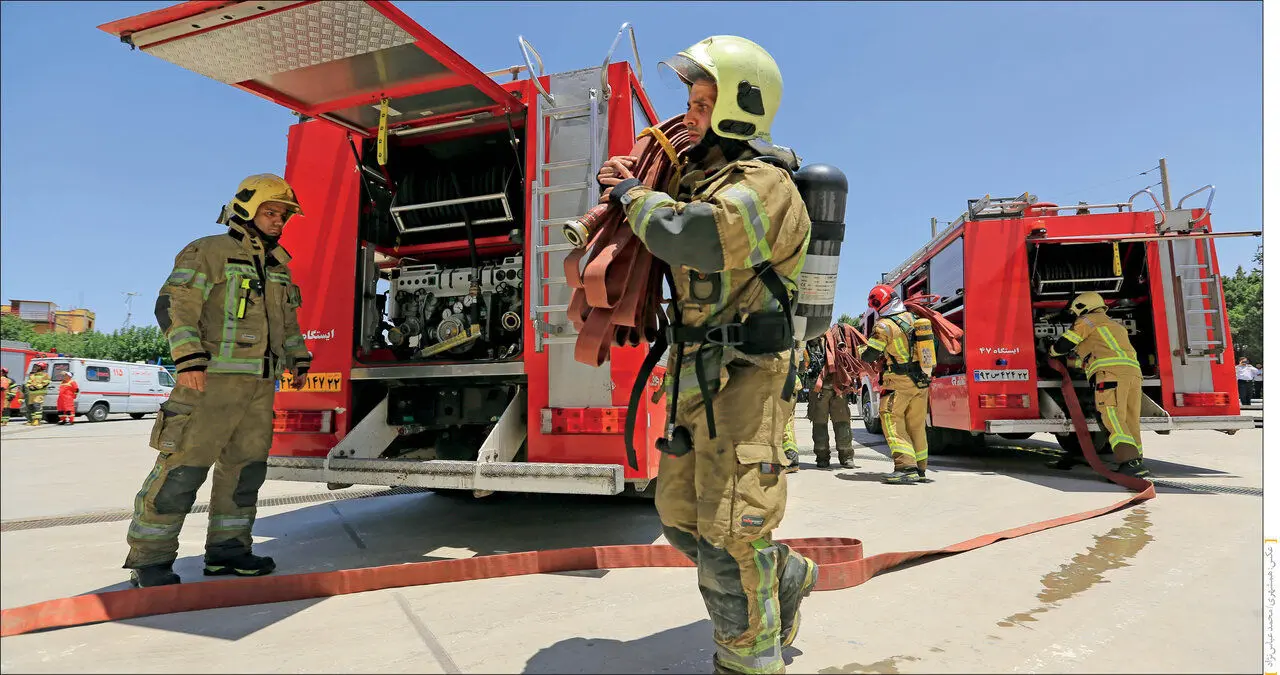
<point x="330" y="59"/>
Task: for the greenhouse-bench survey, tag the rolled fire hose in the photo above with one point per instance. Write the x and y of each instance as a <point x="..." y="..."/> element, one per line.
<point x="840" y="560"/>
<point x="617" y="295"/>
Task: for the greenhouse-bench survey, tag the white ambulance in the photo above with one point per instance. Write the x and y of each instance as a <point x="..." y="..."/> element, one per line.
<point x="107" y="387"/>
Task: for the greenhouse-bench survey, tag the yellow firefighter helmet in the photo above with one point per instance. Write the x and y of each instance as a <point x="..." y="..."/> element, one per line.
<point x="748" y="83"/>
<point x="1087" y="302"/>
<point x="256" y="190"/>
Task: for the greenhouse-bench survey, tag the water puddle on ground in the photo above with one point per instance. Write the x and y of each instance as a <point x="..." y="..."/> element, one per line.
<point x="1110" y="551"/>
<point x="889" y="665"/>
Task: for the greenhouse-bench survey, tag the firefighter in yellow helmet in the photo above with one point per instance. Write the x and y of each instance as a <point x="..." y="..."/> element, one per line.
<point x="906" y="343"/>
<point x="1100" y="345"/>
<point x="229" y="311"/>
<point x="735" y="235"/>
<point x="36" y="386"/>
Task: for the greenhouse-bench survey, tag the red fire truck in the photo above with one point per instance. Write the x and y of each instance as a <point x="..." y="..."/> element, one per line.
<point x="430" y="253"/>
<point x="1005" y="269"/>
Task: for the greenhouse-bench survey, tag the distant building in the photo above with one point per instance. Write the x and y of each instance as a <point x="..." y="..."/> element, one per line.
<point x="45" y="317"/>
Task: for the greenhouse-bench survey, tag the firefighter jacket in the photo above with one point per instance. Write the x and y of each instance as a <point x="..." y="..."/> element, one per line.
<point x="1101" y="345"/>
<point x="727" y="217"/>
<point x="37" y="383"/>
<point x="5" y="385"/>
<point x="891" y="336"/>
<point x="230" y="306"/>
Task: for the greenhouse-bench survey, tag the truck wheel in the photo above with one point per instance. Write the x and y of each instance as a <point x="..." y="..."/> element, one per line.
<point x="136" y="416"/>
<point x="1071" y="443"/>
<point x="870" y="421"/>
<point x="98" y="413"/>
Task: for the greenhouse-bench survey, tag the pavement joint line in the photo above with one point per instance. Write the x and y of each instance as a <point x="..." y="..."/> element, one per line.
<point x="351" y="532"/>
<point x="428" y="638"/>
<point x="123" y="514"/>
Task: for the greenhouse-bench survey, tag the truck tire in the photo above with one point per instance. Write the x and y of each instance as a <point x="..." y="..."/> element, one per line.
<point x="136" y="416"/>
<point x="872" y="423"/>
<point x="98" y="413"/>
<point x="1071" y="443"/>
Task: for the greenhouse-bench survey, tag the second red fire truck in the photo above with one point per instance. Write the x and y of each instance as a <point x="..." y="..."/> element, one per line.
<point x="1005" y="269"/>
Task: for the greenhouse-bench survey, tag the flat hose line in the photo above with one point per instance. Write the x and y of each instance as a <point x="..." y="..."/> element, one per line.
<point x="841" y="565"/>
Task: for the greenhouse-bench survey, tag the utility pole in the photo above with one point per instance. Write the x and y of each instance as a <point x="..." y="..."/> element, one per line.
<point x="128" y="307"/>
<point x="1164" y="185"/>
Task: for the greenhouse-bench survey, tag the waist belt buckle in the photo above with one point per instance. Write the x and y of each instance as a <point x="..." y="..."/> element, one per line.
<point x="726" y="335"/>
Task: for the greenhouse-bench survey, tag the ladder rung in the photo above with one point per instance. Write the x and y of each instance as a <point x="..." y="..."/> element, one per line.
<point x="1195" y="297"/>
<point x="1202" y="311"/>
<point x="551" y="248"/>
<point x="565" y="164"/>
<point x="565" y="187"/>
<point x="560" y="339"/>
<point x="567" y="111"/>
<point x="551" y="308"/>
<point x="1193" y="267"/>
<point x="554" y="280"/>
<point x="548" y="222"/>
<point x="1203" y="342"/>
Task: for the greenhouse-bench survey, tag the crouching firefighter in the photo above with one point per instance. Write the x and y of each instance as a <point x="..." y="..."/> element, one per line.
<point x="229" y="311"/>
<point x="1099" y="345"/>
<point x="906" y="343"/>
<point x="735" y="235"/>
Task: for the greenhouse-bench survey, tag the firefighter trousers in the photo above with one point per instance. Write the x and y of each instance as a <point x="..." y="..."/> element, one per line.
<point x="1119" y="402"/>
<point x="227" y="428"/>
<point x="827" y="405"/>
<point x="719" y="505"/>
<point x="35" y="407"/>
<point x="902" y="417"/>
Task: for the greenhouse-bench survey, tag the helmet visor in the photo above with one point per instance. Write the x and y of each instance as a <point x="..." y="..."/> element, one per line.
<point x="688" y="70"/>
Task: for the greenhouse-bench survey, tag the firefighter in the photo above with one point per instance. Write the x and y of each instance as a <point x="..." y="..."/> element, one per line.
<point x="229" y="312"/>
<point x="830" y="402"/>
<point x="734" y="234"/>
<point x="7" y="391"/>
<point x="1101" y="347"/>
<point x="904" y="384"/>
<point x="67" y="399"/>
<point x="35" y="387"/>
<point x="16" y="403"/>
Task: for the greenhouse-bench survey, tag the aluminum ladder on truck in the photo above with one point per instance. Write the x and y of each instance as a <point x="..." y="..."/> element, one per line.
<point x="570" y="128"/>
<point x="571" y="143"/>
<point x="1199" y="315"/>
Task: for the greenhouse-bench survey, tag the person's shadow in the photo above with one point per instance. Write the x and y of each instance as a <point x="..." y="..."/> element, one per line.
<point x="686" y="649"/>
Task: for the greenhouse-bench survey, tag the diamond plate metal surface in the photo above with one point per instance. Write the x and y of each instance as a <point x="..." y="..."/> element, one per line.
<point x="288" y="40"/>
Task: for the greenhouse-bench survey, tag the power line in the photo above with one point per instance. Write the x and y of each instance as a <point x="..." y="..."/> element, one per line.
<point x="1113" y="182"/>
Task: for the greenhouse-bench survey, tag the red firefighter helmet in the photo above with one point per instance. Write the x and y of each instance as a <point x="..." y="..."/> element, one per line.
<point x="39" y="365"/>
<point x="880" y="296"/>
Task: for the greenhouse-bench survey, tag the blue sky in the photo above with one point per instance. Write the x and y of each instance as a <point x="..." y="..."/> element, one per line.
<point x="112" y="160"/>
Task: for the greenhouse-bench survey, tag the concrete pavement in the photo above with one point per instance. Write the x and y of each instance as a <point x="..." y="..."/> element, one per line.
<point x="1172" y="584"/>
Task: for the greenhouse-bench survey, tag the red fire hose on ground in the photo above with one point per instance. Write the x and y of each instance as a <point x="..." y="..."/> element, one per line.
<point x="841" y="561"/>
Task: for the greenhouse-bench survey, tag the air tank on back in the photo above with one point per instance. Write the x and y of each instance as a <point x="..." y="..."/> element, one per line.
<point x="825" y="190"/>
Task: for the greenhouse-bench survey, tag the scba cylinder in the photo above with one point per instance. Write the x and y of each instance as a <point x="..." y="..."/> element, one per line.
<point x="825" y="191"/>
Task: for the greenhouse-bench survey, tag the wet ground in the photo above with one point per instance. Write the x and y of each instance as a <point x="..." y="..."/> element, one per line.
<point x="1170" y="584"/>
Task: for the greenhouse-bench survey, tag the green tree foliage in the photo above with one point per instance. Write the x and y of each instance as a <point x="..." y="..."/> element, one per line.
<point x="845" y="318"/>
<point x="1243" y="294"/>
<point x="135" y="343"/>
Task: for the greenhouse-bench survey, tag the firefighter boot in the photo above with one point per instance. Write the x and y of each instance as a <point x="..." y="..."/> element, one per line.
<point x="799" y="576"/>
<point x="243" y="565"/>
<point x="907" y="476"/>
<point x="846" y="458"/>
<point x="154" y="575"/>
<point x="1134" y="468"/>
